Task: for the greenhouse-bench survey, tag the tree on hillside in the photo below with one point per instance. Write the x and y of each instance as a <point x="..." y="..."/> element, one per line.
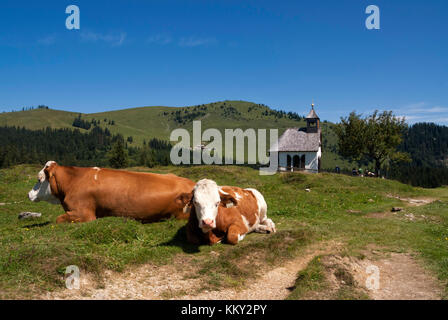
<point x="119" y="157"/>
<point x="374" y="138"/>
<point x="80" y="123"/>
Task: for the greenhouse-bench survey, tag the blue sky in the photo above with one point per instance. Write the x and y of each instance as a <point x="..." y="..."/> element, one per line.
<point x="281" y="53"/>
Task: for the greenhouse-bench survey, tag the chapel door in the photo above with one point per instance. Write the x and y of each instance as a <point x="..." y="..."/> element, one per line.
<point x="288" y="162"/>
<point x="296" y="162"/>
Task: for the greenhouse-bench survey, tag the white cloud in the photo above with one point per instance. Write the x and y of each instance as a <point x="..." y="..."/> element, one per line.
<point x="410" y="118"/>
<point x="423" y="107"/>
<point x="435" y="110"/>
<point x="195" y="41"/>
<point x="423" y="112"/>
<point x="415" y="106"/>
<point x="160" y="39"/>
<point x="47" y="41"/>
<point x="113" y="39"/>
<point x="190" y="41"/>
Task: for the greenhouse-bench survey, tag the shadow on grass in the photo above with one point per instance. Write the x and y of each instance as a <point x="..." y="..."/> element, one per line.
<point x="180" y="240"/>
<point x="36" y="225"/>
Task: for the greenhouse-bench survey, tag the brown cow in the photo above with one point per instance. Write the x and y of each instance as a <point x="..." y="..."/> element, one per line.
<point x="90" y="193"/>
<point x="228" y="213"/>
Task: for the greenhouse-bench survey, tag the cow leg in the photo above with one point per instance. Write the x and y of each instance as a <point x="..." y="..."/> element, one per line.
<point x="213" y="239"/>
<point x="76" y="216"/>
<point x="234" y="234"/>
<point x="261" y="228"/>
<point x="266" y="226"/>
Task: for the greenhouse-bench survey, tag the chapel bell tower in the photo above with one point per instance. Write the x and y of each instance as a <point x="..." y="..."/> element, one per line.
<point x="312" y="121"/>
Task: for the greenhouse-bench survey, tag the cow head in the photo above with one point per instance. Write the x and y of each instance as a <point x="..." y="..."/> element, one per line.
<point x="42" y="189"/>
<point x="206" y="198"/>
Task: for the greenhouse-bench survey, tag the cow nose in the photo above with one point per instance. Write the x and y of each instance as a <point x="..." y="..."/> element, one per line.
<point x="32" y="198"/>
<point x="208" y="222"/>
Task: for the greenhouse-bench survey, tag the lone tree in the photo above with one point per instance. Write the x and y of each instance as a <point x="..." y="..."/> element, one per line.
<point x="373" y="138"/>
<point x="119" y="156"/>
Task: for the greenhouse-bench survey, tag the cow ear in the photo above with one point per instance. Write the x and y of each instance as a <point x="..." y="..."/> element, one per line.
<point x="184" y="199"/>
<point x="228" y="199"/>
<point x="49" y="170"/>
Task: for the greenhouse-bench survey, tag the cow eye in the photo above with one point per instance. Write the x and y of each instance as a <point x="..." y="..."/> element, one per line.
<point x="217" y="204"/>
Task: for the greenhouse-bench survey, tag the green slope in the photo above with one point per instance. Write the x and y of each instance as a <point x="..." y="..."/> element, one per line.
<point x="158" y="121"/>
<point x="38" y="119"/>
<point x="148" y="122"/>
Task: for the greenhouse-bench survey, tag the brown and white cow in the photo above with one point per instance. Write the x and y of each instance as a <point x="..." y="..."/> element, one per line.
<point x="224" y="213"/>
<point x="90" y="193"/>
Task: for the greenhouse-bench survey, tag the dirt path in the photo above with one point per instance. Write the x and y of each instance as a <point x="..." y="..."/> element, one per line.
<point x="417" y="202"/>
<point x="165" y="282"/>
<point x="402" y="212"/>
<point x="400" y="277"/>
<point x="273" y="284"/>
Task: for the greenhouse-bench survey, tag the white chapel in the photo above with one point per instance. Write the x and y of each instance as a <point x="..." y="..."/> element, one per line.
<point x="300" y="149"/>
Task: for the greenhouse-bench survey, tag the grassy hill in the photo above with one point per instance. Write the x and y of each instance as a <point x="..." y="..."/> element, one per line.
<point x="147" y="122"/>
<point x="158" y="122"/>
<point x="353" y="212"/>
<point x="38" y="119"/>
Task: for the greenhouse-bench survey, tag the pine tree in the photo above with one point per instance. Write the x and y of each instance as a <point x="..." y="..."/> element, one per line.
<point x="119" y="157"/>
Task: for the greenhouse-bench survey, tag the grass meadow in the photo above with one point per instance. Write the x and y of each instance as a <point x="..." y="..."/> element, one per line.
<point x="34" y="253"/>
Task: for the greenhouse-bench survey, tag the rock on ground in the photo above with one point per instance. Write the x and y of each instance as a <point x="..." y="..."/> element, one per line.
<point x="28" y="215"/>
